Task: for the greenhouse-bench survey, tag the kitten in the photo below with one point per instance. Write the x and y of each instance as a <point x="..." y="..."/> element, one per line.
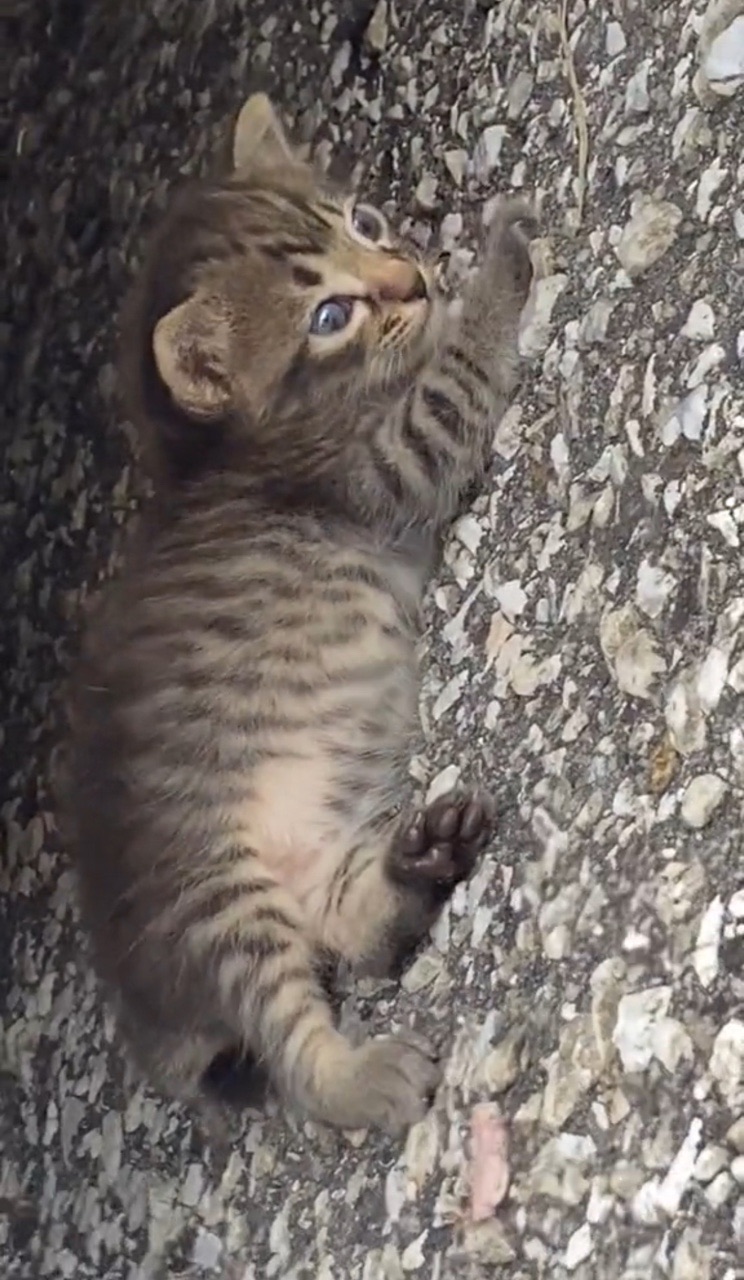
<point x="245" y="704"/>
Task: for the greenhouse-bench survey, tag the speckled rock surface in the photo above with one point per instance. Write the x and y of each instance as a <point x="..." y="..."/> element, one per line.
<point x="585" y="650"/>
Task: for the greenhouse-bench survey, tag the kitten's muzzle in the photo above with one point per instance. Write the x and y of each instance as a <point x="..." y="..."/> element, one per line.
<point x="398" y="280"/>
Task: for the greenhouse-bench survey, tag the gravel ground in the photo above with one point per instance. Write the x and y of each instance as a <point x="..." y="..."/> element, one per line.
<point x="585" y="652"/>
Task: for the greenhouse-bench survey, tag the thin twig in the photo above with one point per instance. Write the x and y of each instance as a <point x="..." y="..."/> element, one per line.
<point x="579" y="109"/>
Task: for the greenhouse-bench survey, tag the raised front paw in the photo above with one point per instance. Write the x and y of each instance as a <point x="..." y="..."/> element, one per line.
<point x="442" y="844"/>
<point x="513" y="225"/>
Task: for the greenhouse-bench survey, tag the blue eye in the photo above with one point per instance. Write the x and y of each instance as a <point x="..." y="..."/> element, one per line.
<point x="331" y="316"/>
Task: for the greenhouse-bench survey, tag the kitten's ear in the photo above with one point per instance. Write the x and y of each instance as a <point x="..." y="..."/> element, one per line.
<point x="191" y="345"/>
<point x="259" y="137"/>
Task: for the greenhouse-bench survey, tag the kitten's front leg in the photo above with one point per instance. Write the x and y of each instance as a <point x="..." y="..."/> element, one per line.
<point x="397" y="884"/>
<point x="418" y="462"/>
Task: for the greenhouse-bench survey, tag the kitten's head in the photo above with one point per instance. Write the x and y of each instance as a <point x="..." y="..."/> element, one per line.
<point x="265" y="291"/>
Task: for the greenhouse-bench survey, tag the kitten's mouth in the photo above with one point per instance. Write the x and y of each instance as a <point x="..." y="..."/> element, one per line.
<point x="416" y="314"/>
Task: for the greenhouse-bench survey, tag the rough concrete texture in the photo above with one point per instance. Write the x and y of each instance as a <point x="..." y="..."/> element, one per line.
<point x="585" y="649"/>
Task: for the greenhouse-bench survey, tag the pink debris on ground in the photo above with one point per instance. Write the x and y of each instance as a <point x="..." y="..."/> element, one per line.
<point x="489" y="1160"/>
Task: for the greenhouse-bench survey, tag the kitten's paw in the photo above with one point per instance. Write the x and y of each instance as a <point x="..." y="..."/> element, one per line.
<point x="513" y="225"/>
<point x="444" y="842"/>
<point x="397" y="1079"/>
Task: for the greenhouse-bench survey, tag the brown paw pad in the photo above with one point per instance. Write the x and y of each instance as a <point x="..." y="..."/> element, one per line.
<point x="443" y="843"/>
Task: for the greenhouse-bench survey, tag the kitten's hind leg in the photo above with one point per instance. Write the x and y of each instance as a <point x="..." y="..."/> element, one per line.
<point x="176" y="1063"/>
<point x="389" y="898"/>
<point x="264" y="972"/>
<point x="235" y="1077"/>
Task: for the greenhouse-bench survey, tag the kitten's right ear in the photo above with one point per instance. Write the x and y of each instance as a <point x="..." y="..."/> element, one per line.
<point x="259" y="137"/>
<point x="191" y="349"/>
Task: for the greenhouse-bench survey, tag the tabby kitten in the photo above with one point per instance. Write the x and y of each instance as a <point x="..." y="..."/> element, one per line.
<point x="246" y="701"/>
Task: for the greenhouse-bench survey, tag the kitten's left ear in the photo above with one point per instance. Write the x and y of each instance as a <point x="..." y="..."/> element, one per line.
<point x="191" y="349"/>
<point x="259" y="137"/>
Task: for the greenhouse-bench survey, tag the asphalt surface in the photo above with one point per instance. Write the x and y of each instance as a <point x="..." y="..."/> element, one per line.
<point x="584" y="653"/>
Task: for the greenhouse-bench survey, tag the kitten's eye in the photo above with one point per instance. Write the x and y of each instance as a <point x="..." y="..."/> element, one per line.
<point x="331" y="316"/>
<point x="367" y="223"/>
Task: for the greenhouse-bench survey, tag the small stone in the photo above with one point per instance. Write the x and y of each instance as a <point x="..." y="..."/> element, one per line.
<point x="644" y="1030"/>
<point x="376" y="35"/>
<point x="560" y="1169"/>
<point x="710" y="1162"/>
<point x="727" y="1063"/>
<point x="426" y="193"/>
<point x="486" y="1243"/>
<point x="450" y="231"/>
<point x="648" y="235"/>
<point x="700" y="323"/>
<point x="512" y="599"/>
<point x="636" y="93"/>
<point x="446" y="780"/>
<point x="705" y="955"/>
<point x="519" y="94"/>
<point x="712" y="677"/>
<point x="500" y="1068"/>
<point x="726" y="525"/>
<point x="580" y="1247"/>
<point x="737" y="1169"/>
<point x="659" y="1199"/>
<point x="421" y="1152"/>
<point x="207" y="1249"/>
<point x="455" y="161"/>
<point x="735" y="1135"/>
<point x="653" y="588"/>
<point x="692" y="1259"/>
<point x="425" y="971"/>
<point x="723" y="64"/>
<point x="718" y="1191"/>
<point x="684" y="714"/>
<point x="701" y="799"/>
<point x="488" y="150"/>
<point x="600" y="1204"/>
<point x="413" y="1257"/>
<point x="630" y="651"/>
<point x="535" y="329"/>
<point x="687" y="418"/>
<point x="615" y="41"/>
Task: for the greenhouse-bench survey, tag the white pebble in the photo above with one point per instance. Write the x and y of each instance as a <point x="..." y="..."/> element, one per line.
<point x="725" y="58"/>
<point x="648" y="235"/>
<point x="579" y="1247"/>
<point x="512" y="599"/>
<point x="488" y="150"/>
<point x="636" y="92"/>
<point x="702" y="797"/>
<point x="534" y="334"/>
<point x="444" y="782"/>
<point x="726" y="1063"/>
<point x="700" y="323"/>
<point x="710" y="1162"/>
<point x="705" y="955"/>
<point x="718" y="1191"/>
<point x="653" y="587"/>
<point x="615" y="41"/>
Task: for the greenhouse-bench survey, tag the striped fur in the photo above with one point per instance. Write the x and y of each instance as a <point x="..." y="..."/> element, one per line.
<point x="245" y="704"/>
